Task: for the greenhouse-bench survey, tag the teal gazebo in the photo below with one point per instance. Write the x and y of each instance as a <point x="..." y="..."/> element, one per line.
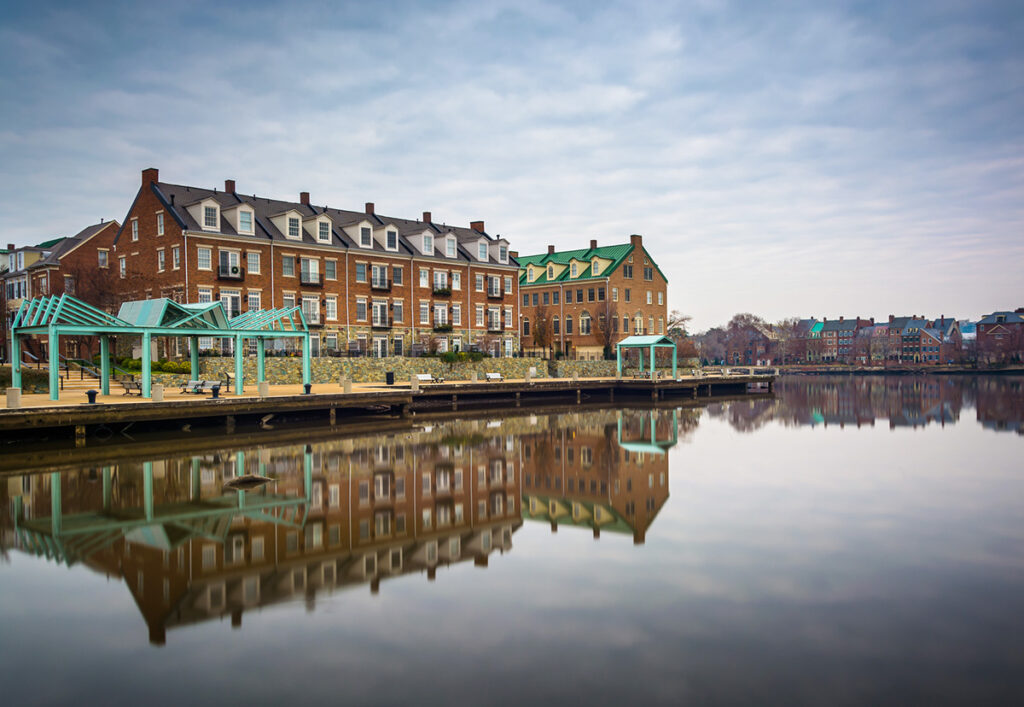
<point x="649" y="343"/>
<point x="55" y="316"/>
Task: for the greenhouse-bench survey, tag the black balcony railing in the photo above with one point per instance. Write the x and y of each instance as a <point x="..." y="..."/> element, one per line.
<point x="230" y="272"/>
<point x="380" y="284"/>
<point x="381" y="324"/>
<point x="442" y="327"/>
<point x="494" y="293"/>
<point x="442" y="292"/>
<point x="311" y="279"/>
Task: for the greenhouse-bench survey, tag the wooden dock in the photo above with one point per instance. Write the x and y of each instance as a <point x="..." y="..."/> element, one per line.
<point x="327" y="403"/>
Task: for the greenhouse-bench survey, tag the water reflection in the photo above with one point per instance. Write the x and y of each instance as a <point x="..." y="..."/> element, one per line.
<point x="901" y="401"/>
<point x="343" y="512"/>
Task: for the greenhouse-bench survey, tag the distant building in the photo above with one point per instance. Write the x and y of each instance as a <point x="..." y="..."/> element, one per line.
<point x="1000" y="337"/>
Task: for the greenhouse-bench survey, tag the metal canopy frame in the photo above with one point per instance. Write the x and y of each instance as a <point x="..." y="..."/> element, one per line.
<point x="63" y="315"/>
<point x="649" y="343"/>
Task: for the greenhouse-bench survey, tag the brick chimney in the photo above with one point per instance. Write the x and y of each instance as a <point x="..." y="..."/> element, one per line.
<point x="304" y="198"/>
<point x="513" y="254"/>
<point x="229" y="186"/>
<point x="477" y="226"/>
<point x="636" y="240"/>
<point x="369" y="207"/>
<point x="427" y="217"/>
<point x="593" y="244"/>
<point x="840" y="317"/>
<point x="11" y="246"/>
<point x="891" y="318"/>
<point x="150" y="176"/>
<point x="872" y="321"/>
<point x="551" y="250"/>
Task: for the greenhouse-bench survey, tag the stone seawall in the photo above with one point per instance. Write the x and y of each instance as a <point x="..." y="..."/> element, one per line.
<point x="606" y="369"/>
<point x="288" y="370"/>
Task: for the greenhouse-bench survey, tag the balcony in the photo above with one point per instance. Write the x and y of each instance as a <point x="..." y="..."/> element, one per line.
<point x="494" y="327"/>
<point x="442" y="292"/>
<point x="311" y="279"/>
<point x="382" y="284"/>
<point x="231" y="272"/>
<point x="381" y="324"/>
<point x="442" y="328"/>
<point x="494" y="293"/>
<point x="313" y="319"/>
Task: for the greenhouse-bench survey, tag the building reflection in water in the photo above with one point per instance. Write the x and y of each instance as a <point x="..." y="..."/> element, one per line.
<point x="341" y="512"/>
<point x="901" y="401"/>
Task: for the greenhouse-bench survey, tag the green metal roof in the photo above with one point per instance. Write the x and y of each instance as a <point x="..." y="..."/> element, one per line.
<point x="616" y="253"/>
<point x="50" y="243"/>
<point x="649" y="340"/>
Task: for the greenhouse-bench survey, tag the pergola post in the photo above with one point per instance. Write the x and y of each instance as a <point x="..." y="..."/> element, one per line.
<point x="261" y="364"/>
<point x="618" y="361"/>
<point x="54" y="364"/>
<point x="654" y="371"/>
<point x="306" y="359"/>
<point x="55" y="505"/>
<point x="675" y="355"/>
<point x="15" y="360"/>
<point x="147" y="365"/>
<point x="193" y="354"/>
<point x="105" y="364"/>
<point x="239" y="384"/>
<point x="640" y="360"/>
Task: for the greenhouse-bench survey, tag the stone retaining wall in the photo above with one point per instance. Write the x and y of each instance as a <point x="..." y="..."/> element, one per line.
<point x="288" y="370"/>
<point x="606" y="369"/>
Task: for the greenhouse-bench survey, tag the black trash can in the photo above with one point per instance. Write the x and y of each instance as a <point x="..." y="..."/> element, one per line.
<point x="389" y="377"/>
<point x="92" y="396"/>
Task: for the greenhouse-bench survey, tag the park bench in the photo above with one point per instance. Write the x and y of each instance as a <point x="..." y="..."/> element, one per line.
<point x="131" y="386"/>
<point x="428" y="378"/>
<point x="493" y="377"/>
<point x="191" y="387"/>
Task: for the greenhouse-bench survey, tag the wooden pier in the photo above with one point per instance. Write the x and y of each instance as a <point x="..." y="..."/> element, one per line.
<point x="328" y="403"/>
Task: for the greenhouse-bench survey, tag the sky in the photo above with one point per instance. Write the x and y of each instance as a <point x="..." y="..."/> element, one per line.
<point x="785" y="159"/>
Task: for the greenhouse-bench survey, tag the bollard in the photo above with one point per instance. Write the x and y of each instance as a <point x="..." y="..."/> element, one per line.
<point x="91" y="394"/>
<point x="474" y="377"/>
<point x="415" y="383"/>
<point x="216" y="391"/>
<point x="157" y="393"/>
<point x="307" y="387"/>
<point x="264" y="389"/>
<point x="14" y="397"/>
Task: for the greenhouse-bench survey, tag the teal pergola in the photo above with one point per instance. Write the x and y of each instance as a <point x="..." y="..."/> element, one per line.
<point x="649" y="343"/>
<point x="63" y="315"/>
<point x="653" y="445"/>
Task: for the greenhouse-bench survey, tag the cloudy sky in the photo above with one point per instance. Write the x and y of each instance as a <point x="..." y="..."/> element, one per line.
<point x="784" y="159"/>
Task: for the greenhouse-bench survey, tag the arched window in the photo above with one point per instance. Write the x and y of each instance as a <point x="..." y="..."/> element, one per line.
<point x="554" y="325"/>
<point x="568" y="324"/>
<point x="526" y="326"/>
<point x="638" y="324"/>
<point x="572" y="270"/>
<point x="595" y="266"/>
<point x="585" y="323"/>
<point x="551" y="272"/>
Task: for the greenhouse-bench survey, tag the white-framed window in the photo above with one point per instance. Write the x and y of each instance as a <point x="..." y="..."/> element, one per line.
<point x="176" y="257"/>
<point x="331" y="308"/>
<point x="424" y="312"/>
<point x="365" y="237"/>
<point x="426" y="517"/>
<point x="379" y="273"/>
<point x="323" y="233"/>
<point x="161" y="260"/>
<point x="428" y="244"/>
<point x="480" y="315"/>
<point x="380" y="318"/>
<point x="122" y="267"/>
<point x="210" y="217"/>
<point x="456" y="315"/>
<point x="330" y="269"/>
<point x="204" y="258"/>
<point x="397" y="313"/>
<point x="449" y="247"/>
<point x="440" y="314"/>
<point x="572" y="270"/>
<point x="508" y="317"/>
<point x="135" y="229"/>
<point x="360" y="309"/>
<point x="160" y="224"/>
<point x="424" y="277"/>
<point x="245" y="221"/>
<point x="661" y="298"/>
<point x="508" y="284"/>
<point x="397" y="276"/>
<point x="252" y="262"/>
<point x="392" y="240"/>
<point x="481" y="252"/>
<point x="205" y="296"/>
<point x="102" y="258"/>
<point x="293" y="227"/>
<point x="440" y="280"/>
<point x="502" y="254"/>
<point x="615" y="294"/>
<point x="479" y="282"/>
<point x="649" y="297"/>
<point x="254" y="300"/>
<point x="288" y="265"/>
<point x="456" y="281"/>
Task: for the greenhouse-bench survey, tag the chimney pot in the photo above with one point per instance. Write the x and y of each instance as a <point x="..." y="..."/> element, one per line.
<point x="891" y="318"/>
<point x="551" y="250"/>
<point x="150" y="175"/>
<point x="513" y="254"/>
<point x="477" y="226"/>
<point x="872" y="321"/>
<point x="427" y="217"/>
<point x="369" y="207"/>
<point x="229" y="186"/>
<point x="593" y="244"/>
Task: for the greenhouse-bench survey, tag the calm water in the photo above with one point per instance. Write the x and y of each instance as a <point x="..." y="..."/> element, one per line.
<point x="851" y="541"/>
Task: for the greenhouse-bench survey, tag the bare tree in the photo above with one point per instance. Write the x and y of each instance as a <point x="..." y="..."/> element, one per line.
<point x="542" y="328"/>
<point x="677" y="323"/>
<point x="786" y="331"/>
<point x="607" y="327"/>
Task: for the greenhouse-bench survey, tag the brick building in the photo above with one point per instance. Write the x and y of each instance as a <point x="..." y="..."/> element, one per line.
<point x="1000" y="337"/>
<point x="838" y="338"/>
<point x="580" y="302"/>
<point x="365" y="282"/>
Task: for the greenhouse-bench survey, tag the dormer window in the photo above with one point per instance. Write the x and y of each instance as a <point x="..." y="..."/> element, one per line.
<point x="503" y="253"/>
<point x="481" y="252"/>
<point x="551" y="272"/>
<point x="323" y="232"/>
<point x="428" y="244"/>
<point x="244" y="221"/>
<point x="293" y="227"/>
<point x="595" y="266"/>
<point x="529" y="274"/>
<point x="392" y="240"/>
<point x="572" y="270"/>
<point x="209" y="217"/>
<point x="365" y="237"/>
<point x="449" y="247"/>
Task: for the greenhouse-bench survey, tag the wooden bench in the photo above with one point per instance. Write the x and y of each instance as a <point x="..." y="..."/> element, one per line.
<point x="493" y="377"/>
<point x="131" y="386"/>
<point x="191" y="387"/>
<point x="428" y="378"/>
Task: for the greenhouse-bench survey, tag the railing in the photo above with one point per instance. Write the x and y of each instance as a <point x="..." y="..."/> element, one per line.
<point x="442" y="327"/>
<point x="313" y="279"/>
<point x="442" y="292"/>
<point x="380" y="324"/>
<point x="494" y="293"/>
<point x="312" y="318"/>
<point x="494" y="326"/>
<point x="230" y="272"/>
<point x="380" y="284"/>
<point x="39" y="363"/>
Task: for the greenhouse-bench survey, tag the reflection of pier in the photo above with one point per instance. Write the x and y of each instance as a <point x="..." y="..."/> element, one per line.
<point x="653" y="445"/>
